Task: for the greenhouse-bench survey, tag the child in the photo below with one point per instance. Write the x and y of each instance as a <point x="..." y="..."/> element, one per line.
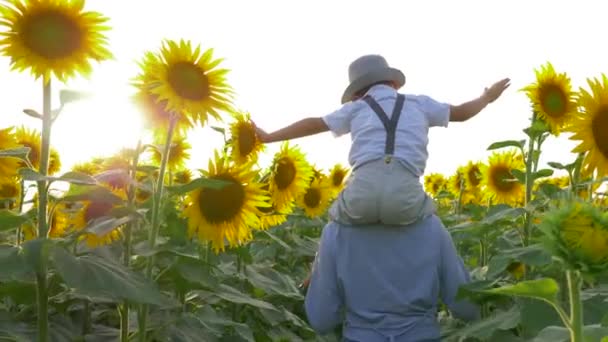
<point x="389" y="134"/>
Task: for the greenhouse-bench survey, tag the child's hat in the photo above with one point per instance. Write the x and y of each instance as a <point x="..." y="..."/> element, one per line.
<point x="367" y="70"/>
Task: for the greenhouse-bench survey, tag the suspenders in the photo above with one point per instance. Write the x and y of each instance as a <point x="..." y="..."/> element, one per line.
<point x="390" y="125"/>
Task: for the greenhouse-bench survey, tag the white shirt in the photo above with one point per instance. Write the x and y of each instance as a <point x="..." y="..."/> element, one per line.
<point x="368" y="134"/>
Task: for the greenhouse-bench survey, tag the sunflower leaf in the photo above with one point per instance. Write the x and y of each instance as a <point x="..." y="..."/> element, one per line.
<point x="20" y="152"/>
<point x="218" y="129"/>
<point x="104" y="225"/>
<point x="77" y="178"/>
<point x="557" y="165"/>
<point x="519" y="175"/>
<point x="507" y="143"/>
<point x="32" y="175"/>
<point x="66" y="96"/>
<point x="545" y="289"/>
<point x="91" y="193"/>
<point x="10" y="219"/>
<point x="196" y="184"/>
<point x="32" y="113"/>
<point x="542" y="173"/>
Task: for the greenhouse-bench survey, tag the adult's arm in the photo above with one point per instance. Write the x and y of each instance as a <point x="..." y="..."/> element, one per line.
<point x="323" y="301"/>
<point x="453" y="274"/>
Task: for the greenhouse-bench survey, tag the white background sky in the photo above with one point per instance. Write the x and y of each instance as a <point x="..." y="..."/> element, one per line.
<point x="289" y="60"/>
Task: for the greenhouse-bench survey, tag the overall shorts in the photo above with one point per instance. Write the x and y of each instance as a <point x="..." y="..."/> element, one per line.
<point x="383" y="190"/>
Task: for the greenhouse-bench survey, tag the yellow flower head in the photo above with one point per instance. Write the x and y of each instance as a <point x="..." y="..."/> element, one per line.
<point x="577" y="233"/>
<point x="10" y="193"/>
<point x="183" y="177"/>
<point x="52" y="37"/>
<point x="472" y="175"/>
<point x="188" y="80"/>
<point x="316" y="199"/>
<point x="337" y="177"/>
<point x="58" y="223"/>
<point x="290" y="176"/>
<point x="89" y="168"/>
<point x="500" y="185"/>
<point x="244" y="144"/>
<point x="434" y="183"/>
<point x="8" y="165"/>
<point x="229" y="212"/>
<point x="552" y="98"/>
<point x="178" y="153"/>
<point x="590" y="126"/>
<point x="31" y="138"/>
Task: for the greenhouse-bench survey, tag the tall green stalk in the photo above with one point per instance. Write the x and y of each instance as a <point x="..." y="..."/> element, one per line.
<point x="156" y="206"/>
<point x="41" y="273"/>
<point x="529" y="181"/>
<point x="576" y="307"/>
<point x="131" y="192"/>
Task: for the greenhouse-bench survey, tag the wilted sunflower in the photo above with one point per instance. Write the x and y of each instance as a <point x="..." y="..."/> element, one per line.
<point x="500" y="184"/>
<point x="577" y="232"/>
<point x="434" y="183"/>
<point x="178" y="153"/>
<point x="552" y="98"/>
<point x="226" y="213"/>
<point x="31" y="138"/>
<point x="337" y="177"/>
<point x="79" y="219"/>
<point x="52" y="37"/>
<point x="8" y="165"/>
<point x="316" y="199"/>
<point x="188" y="80"/>
<point x="290" y="176"/>
<point x="244" y="144"/>
<point x="590" y="127"/>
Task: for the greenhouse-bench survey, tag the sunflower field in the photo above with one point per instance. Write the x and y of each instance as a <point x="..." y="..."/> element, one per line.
<point x="137" y="247"/>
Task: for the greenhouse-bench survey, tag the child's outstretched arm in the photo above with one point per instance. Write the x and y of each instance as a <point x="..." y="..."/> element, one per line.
<point x="467" y="110"/>
<point x="299" y="129"/>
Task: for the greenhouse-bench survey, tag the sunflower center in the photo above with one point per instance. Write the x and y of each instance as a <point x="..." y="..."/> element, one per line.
<point x="553" y="101"/>
<point x="223" y="204"/>
<point x="188" y="81"/>
<point x="96" y="210"/>
<point x="51" y="34"/>
<point x="501" y="177"/>
<point x="599" y="127"/>
<point x="474" y="176"/>
<point x="285" y="174"/>
<point x="246" y="139"/>
<point x="312" y="198"/>
<point x="337" y="178"/>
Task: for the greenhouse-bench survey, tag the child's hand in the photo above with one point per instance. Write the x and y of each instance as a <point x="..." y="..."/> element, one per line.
<point x="496" y="89"/>
<point x="261" y="134"/>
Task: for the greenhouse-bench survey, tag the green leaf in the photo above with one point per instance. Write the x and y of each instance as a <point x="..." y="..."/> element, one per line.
<point x="36" y="252"/>
<point x="593" y="332"/>
<point x="33" y="113"/>
<point x="32" y="175"/>
<point x="91" y="193"/>
<point x="19" y="152"/>
<point x="507" y="143"/>
<point x="92" y="275"/>
<point x="557" y="165"/>
<point x="12" y="264"/>
<point x="542" y="173"/>
<point x="77" y="178"/>
<point x="483" y="329"/>
<point x="533" y="255"/>
<point x="10" y="219"/>
<point x="196" y="184"/>
<point x="545" y="289"/>
<point x="104" y="225"/>
<point x="233" y="295"/>
<point x="605" y="321"/>
<point x="519" y="175"/>
<point x="67" y="96"/>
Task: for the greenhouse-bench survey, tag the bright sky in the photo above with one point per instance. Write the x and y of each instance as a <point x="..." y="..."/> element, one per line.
<point x="289" y="60"/>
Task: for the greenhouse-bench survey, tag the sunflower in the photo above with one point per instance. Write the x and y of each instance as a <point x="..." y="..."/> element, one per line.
<point x="590" y="127"/>
<point x="269" y="216"/>
<point x="89" y="168"/>
<point x="31" y="138"/>
<point x="456" y="186"/>
<point x="178" y="153"/>
<point x="188" y="80"/>
<point x="500" y="185"/>
<point x="316" y="199"/>
<point x="577" y="232"/>
<point x="58" y="224"/>
<point x="182" y="177"/>
<point x="290" y="177"/>
<point x="114" y="172"/>
<point x="155" y="115"/>
<point x="53" y="37"/>
<point x="10" y="193"/>
<point x="337" y="177"/>
<point x="244" y="144"/>
<point x="78" y="218"/>
<point x="472" y="174"/>
<point x="434" y="183"/>
<point x="8" y="165"/>
<point x="552" y="98"/>
<point x="227" y="213"/>
<point x="517" y="269"/>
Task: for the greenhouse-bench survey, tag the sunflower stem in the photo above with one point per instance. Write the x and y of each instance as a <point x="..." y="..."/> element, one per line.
<point x="124" y="310"/>
<point x="41" y="274"/>
<point x="156" y="206"/>
<point x="576" y="312"/>
<point x="20" y="209"/>
<point x="529" y="182"/>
